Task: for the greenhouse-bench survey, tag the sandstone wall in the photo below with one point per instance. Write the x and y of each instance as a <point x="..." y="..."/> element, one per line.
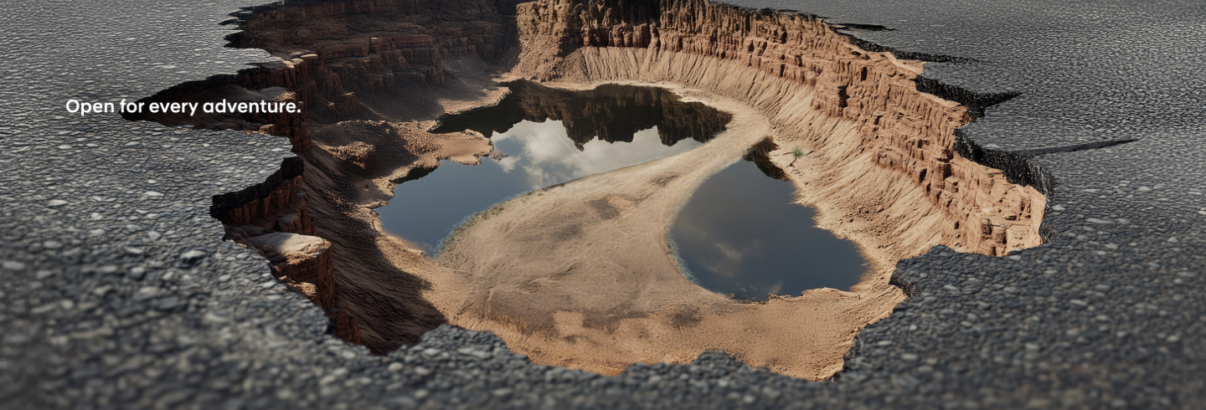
<point x="271" y="218"/>
<point x="330" y="51"/>
<point x="787" y="64"/>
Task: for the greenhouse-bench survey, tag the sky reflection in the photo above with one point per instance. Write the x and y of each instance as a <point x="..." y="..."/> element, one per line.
<point x="426" y="210"/>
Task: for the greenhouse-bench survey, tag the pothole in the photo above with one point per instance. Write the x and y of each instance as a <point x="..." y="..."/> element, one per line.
<point x="580" y="274"/>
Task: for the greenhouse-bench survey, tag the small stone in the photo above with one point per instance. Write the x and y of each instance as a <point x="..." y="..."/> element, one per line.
<point x="909" y="357"/>
<point x="146" y="292"/>
<point x="474" y="352"/>
<point x="56" y="202"/>
<point x="169" y="303"/>
<point x="395" y="366"/>
<point x="192" y="257"/>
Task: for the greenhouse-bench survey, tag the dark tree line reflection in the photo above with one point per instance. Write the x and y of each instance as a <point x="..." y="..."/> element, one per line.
<point x="611" y="113"/>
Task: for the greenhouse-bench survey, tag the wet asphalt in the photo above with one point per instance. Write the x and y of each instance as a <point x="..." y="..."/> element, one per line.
<point x="116" y="292"/>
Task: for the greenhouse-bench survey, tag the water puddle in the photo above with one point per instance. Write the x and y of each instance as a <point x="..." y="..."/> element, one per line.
<point x="548" y="136"/>
<point x="742" y="235"/>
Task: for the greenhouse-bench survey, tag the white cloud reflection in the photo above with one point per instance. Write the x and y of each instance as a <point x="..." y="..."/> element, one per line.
<point x="547" y="156"/>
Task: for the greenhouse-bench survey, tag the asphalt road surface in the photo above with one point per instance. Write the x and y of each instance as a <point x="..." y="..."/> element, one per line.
<point x="116" y="293"/>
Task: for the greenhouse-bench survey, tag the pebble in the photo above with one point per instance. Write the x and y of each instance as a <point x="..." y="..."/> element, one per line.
<point x="193" y="254"/>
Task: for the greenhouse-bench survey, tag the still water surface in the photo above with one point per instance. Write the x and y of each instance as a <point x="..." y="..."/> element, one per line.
<point x="549" y="136"/>
<point x="741" y="234"/>
<point x="539" y="155"/>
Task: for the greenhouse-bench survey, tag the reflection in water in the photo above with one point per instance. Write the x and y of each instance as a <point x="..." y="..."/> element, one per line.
<point x="741" y="234"/>
<point x="612" y="113"/>
<point x="544" y="156"/>
<point x="549" y="137"/>
<point x="425" y="210"/>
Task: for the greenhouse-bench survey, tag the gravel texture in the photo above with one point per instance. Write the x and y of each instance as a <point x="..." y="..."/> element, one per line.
<point x="116" y="291"/>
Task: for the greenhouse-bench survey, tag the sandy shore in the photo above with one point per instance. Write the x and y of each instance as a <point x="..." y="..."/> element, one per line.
<point x="580" y="275"/>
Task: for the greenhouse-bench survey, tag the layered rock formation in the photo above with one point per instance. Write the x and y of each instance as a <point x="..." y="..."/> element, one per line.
<point x="272" y="218"/>
<point x="331" y="51"/>
<point x="778" y="62"/>
<point x="327" y="54"/>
